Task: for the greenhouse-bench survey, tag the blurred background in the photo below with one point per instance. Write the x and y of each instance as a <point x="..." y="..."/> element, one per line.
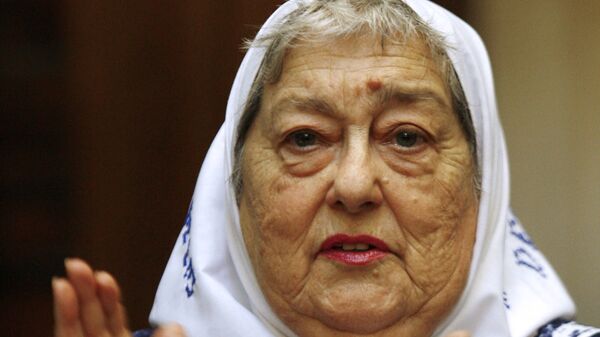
<point x="107" y="109"/>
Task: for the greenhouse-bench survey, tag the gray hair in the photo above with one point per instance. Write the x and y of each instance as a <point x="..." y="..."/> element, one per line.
<point x="322" y="21"/>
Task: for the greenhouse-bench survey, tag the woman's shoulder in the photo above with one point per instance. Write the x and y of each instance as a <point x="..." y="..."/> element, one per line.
<point x="566" y="328"/>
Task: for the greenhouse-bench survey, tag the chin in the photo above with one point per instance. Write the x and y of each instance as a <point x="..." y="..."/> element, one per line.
<point x="358" y="323"/>
<point x="359" y="308"/>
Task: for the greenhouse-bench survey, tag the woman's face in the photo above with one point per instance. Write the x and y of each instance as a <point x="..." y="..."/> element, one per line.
<point x="358" y="208"/>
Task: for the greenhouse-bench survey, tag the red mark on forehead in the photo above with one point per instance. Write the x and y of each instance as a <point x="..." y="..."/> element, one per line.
<point x="374" y="85"/>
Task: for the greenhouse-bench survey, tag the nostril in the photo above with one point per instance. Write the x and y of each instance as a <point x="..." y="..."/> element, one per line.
<point x="365" y="206"/>
<point x="368" y="205"/>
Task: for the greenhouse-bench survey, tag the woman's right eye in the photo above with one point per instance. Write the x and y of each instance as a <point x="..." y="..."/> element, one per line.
<point x="303" y="138"/>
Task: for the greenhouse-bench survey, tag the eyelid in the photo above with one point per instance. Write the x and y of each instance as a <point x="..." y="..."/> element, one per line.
<point x="395" y="129"/>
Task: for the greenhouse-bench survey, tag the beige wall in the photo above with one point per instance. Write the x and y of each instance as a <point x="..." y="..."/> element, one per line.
<point x="546" y="58"/>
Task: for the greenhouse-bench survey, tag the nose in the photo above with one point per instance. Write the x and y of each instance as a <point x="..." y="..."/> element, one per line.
<point x="356" y="185"/>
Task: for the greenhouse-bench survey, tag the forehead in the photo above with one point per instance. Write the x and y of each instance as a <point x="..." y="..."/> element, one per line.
<point x="358" y="46"/>
<point x="360" y="62"/>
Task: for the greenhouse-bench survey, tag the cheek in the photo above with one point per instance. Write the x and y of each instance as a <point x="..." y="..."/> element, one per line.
<point x="281" y="202"/>
<point x="437" y="214"/>
<point x="277" y="214"/>
<point x="429" y="210"/>
<point x="442" y="197"/>
<point x="282" y="209"/>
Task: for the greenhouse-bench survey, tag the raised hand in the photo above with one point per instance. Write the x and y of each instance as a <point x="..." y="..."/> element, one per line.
<point x="88" y="303"/>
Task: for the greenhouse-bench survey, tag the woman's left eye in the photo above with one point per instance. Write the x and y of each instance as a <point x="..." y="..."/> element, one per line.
<point x="303" y="138"/>
<point x="408" y="139"/>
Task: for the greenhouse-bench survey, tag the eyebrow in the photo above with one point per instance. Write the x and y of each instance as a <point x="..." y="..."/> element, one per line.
<point x="307" y="104"/>
<point x="391" y="92"/>
<point x="388" y="93"/>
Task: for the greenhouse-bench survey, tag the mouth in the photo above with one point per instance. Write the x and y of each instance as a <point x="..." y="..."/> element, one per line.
<point x="356" y="250"/>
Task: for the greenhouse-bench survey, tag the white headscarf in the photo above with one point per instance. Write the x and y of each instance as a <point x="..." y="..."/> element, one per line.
<point x="210" y="288"/>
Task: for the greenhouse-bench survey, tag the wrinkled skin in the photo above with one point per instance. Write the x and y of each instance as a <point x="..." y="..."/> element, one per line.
<point x="324" y="156"/>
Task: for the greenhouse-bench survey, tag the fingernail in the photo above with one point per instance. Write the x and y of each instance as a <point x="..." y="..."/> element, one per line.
<point x="101" y="276"/>
<point x="55" y="282"/>
<point x="69" y="261"/>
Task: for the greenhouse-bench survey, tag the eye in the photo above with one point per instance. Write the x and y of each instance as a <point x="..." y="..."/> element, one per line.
<point x="303" y="138"/>
<point x="408" y="139"/>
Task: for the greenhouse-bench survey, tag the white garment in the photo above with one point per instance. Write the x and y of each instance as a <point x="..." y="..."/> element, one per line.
<point x="209" y="286"/>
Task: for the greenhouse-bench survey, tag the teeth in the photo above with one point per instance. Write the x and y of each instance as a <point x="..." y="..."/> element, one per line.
<point x="348" y="246"/>
<point x="362" y="246"/>
<point x="353" y="246"/>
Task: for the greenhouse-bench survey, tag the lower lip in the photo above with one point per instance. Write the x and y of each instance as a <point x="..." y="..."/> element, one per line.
<point x="354" y="258"/>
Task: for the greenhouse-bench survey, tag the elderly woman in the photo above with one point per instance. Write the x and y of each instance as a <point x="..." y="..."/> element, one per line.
<point x="358" y="186"/>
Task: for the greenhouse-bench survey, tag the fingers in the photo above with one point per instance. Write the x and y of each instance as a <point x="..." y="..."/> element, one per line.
<point x="169" y="330"/>
<point x="83" y="281"/>
<point x="66" y="309"/>
<point x="98" y="298"/>
<point x="459" y="334"/>
<point x="88" y="303"/>
<point x="110" y="299"/>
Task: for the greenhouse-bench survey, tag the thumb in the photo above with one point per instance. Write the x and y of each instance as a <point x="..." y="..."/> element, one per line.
<point x="169" y="330"/>
<point x="461" y="333"/>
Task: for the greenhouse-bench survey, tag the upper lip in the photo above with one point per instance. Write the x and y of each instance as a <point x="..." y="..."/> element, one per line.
<point x="340" y="239"/>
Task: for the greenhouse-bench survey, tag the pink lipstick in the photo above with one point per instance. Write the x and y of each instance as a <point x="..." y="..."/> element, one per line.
<point x="356" y="250"/>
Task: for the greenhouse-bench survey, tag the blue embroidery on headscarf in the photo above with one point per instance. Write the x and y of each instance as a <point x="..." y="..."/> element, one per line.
<point x="520" y="234"/>
<point x="564" y="328"/>
<point x="505" y="300"/>
<point x="188" y="274"/>
<point x="549" y="329"/>
<point x="523" y="256"/>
